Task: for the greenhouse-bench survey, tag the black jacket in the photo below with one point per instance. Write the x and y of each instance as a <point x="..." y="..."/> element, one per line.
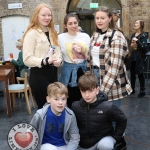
<point x="139" y="54"/>
<point x="95" y="120"/>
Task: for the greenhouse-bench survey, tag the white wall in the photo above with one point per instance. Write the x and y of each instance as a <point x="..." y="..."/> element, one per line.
<point x="13" y="28"/>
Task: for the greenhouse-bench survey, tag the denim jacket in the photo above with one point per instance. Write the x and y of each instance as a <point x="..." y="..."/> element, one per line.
<point x="69" y="71"/>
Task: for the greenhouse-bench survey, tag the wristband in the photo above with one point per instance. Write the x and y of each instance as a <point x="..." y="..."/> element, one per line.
<point x="47" y="63"/>
<point x="46" y="59"/>
<point x="42" y="64"/>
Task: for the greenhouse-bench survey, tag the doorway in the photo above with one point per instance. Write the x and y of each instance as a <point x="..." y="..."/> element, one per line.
<point x="86" y="13"/>
<point x="87" y="23"/>
<point x="13" y="28"/>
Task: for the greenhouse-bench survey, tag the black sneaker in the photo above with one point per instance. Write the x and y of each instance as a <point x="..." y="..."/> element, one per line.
<point x="121" y="145"/>
<point x="141" y="94"/>
<point x="1" y="93"/>
<point x="133" y="92"/>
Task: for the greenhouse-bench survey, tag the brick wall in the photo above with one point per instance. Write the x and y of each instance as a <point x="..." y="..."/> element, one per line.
<point x="58" y="8"/>
<point x="131" y="10"/>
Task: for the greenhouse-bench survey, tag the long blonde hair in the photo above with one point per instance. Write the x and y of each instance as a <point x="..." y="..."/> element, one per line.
<point x="34" y="23"/>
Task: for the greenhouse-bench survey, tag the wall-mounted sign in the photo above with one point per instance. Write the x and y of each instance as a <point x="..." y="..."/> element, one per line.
<point x="94" y="5"/>
<point x="56" y="28"/>
<point x="14" y="5"/>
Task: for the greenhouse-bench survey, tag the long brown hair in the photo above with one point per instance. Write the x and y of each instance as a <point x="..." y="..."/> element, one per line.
<point x="34" y="23"/>
<point x="112" y="24"/>
<point x="141" y="25"/>
<point x="67" y="18"/>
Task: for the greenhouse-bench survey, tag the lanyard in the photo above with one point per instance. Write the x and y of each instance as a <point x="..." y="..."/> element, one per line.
<point x="47" y="34"/>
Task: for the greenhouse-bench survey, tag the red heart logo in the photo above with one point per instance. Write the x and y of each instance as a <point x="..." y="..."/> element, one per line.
<point x="23" y="140"/>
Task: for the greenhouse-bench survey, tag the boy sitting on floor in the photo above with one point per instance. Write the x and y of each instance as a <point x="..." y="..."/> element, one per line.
<point x="94" y="116"/>
<point x="56" y="123"/>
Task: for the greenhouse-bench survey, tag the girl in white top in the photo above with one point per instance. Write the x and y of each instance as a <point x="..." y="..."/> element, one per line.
<point x="74" y="46"/>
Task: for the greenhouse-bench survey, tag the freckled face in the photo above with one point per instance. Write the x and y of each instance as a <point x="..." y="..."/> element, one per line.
<point x="44" y="16"/>
<point x="58" y="103"/>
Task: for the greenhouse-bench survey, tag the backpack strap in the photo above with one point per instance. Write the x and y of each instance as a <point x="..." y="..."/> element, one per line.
<point x="110" y="38"/>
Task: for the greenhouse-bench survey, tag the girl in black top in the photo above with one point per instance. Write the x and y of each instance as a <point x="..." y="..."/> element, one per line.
<point x="138" y="43"/>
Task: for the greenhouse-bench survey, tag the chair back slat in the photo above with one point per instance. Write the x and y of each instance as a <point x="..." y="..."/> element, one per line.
<point x="16" y="88"/>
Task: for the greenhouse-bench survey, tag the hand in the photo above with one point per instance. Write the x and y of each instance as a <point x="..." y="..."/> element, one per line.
<point x="57" y="62"/>
<point x="51" y="52"/>
<point x="50" y="60"/>
<point x="51" y="57"/>
<point x="133" y="44"/>
<point x="134" y="39"/>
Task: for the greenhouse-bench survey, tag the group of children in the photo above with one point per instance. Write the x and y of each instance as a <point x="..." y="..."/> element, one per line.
<point x="88" y="121"/>
<point x="88" y="126"/>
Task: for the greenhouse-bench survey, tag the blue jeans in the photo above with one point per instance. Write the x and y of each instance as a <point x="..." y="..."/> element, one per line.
<point x="117" y="102"/>
<point x="69" y="72"/>
<point x="97" y="73"/>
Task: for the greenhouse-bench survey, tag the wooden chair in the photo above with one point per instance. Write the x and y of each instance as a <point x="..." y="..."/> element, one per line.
<point x="18" y="88"/>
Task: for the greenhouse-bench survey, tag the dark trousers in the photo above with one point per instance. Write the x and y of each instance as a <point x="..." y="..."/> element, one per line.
<point x="133" y="76"/>
<point x="74" y="92"/>
<point x="39" y="79"/>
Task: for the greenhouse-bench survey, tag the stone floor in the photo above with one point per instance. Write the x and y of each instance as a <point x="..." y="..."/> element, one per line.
<point x="136" y="109"/>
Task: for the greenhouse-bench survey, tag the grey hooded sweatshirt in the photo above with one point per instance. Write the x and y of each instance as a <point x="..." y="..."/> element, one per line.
<point x="71" y="132"/>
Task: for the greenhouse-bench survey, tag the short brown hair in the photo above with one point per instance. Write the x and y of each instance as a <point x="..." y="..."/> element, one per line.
<point x="57" y="88"/>
<point x="87" y="82"/>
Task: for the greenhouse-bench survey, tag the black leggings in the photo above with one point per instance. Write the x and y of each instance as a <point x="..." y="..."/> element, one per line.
<point x="39" y="79"/>
<point x="74" y="92"/>
<point x="133" y="76"/>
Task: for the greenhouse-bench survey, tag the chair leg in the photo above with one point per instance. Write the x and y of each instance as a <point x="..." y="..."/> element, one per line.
<point x="31" y="98"/>
<point x="13" y="99"/>
<point x="27" y="102"/>
<point x="18" y="95"/>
